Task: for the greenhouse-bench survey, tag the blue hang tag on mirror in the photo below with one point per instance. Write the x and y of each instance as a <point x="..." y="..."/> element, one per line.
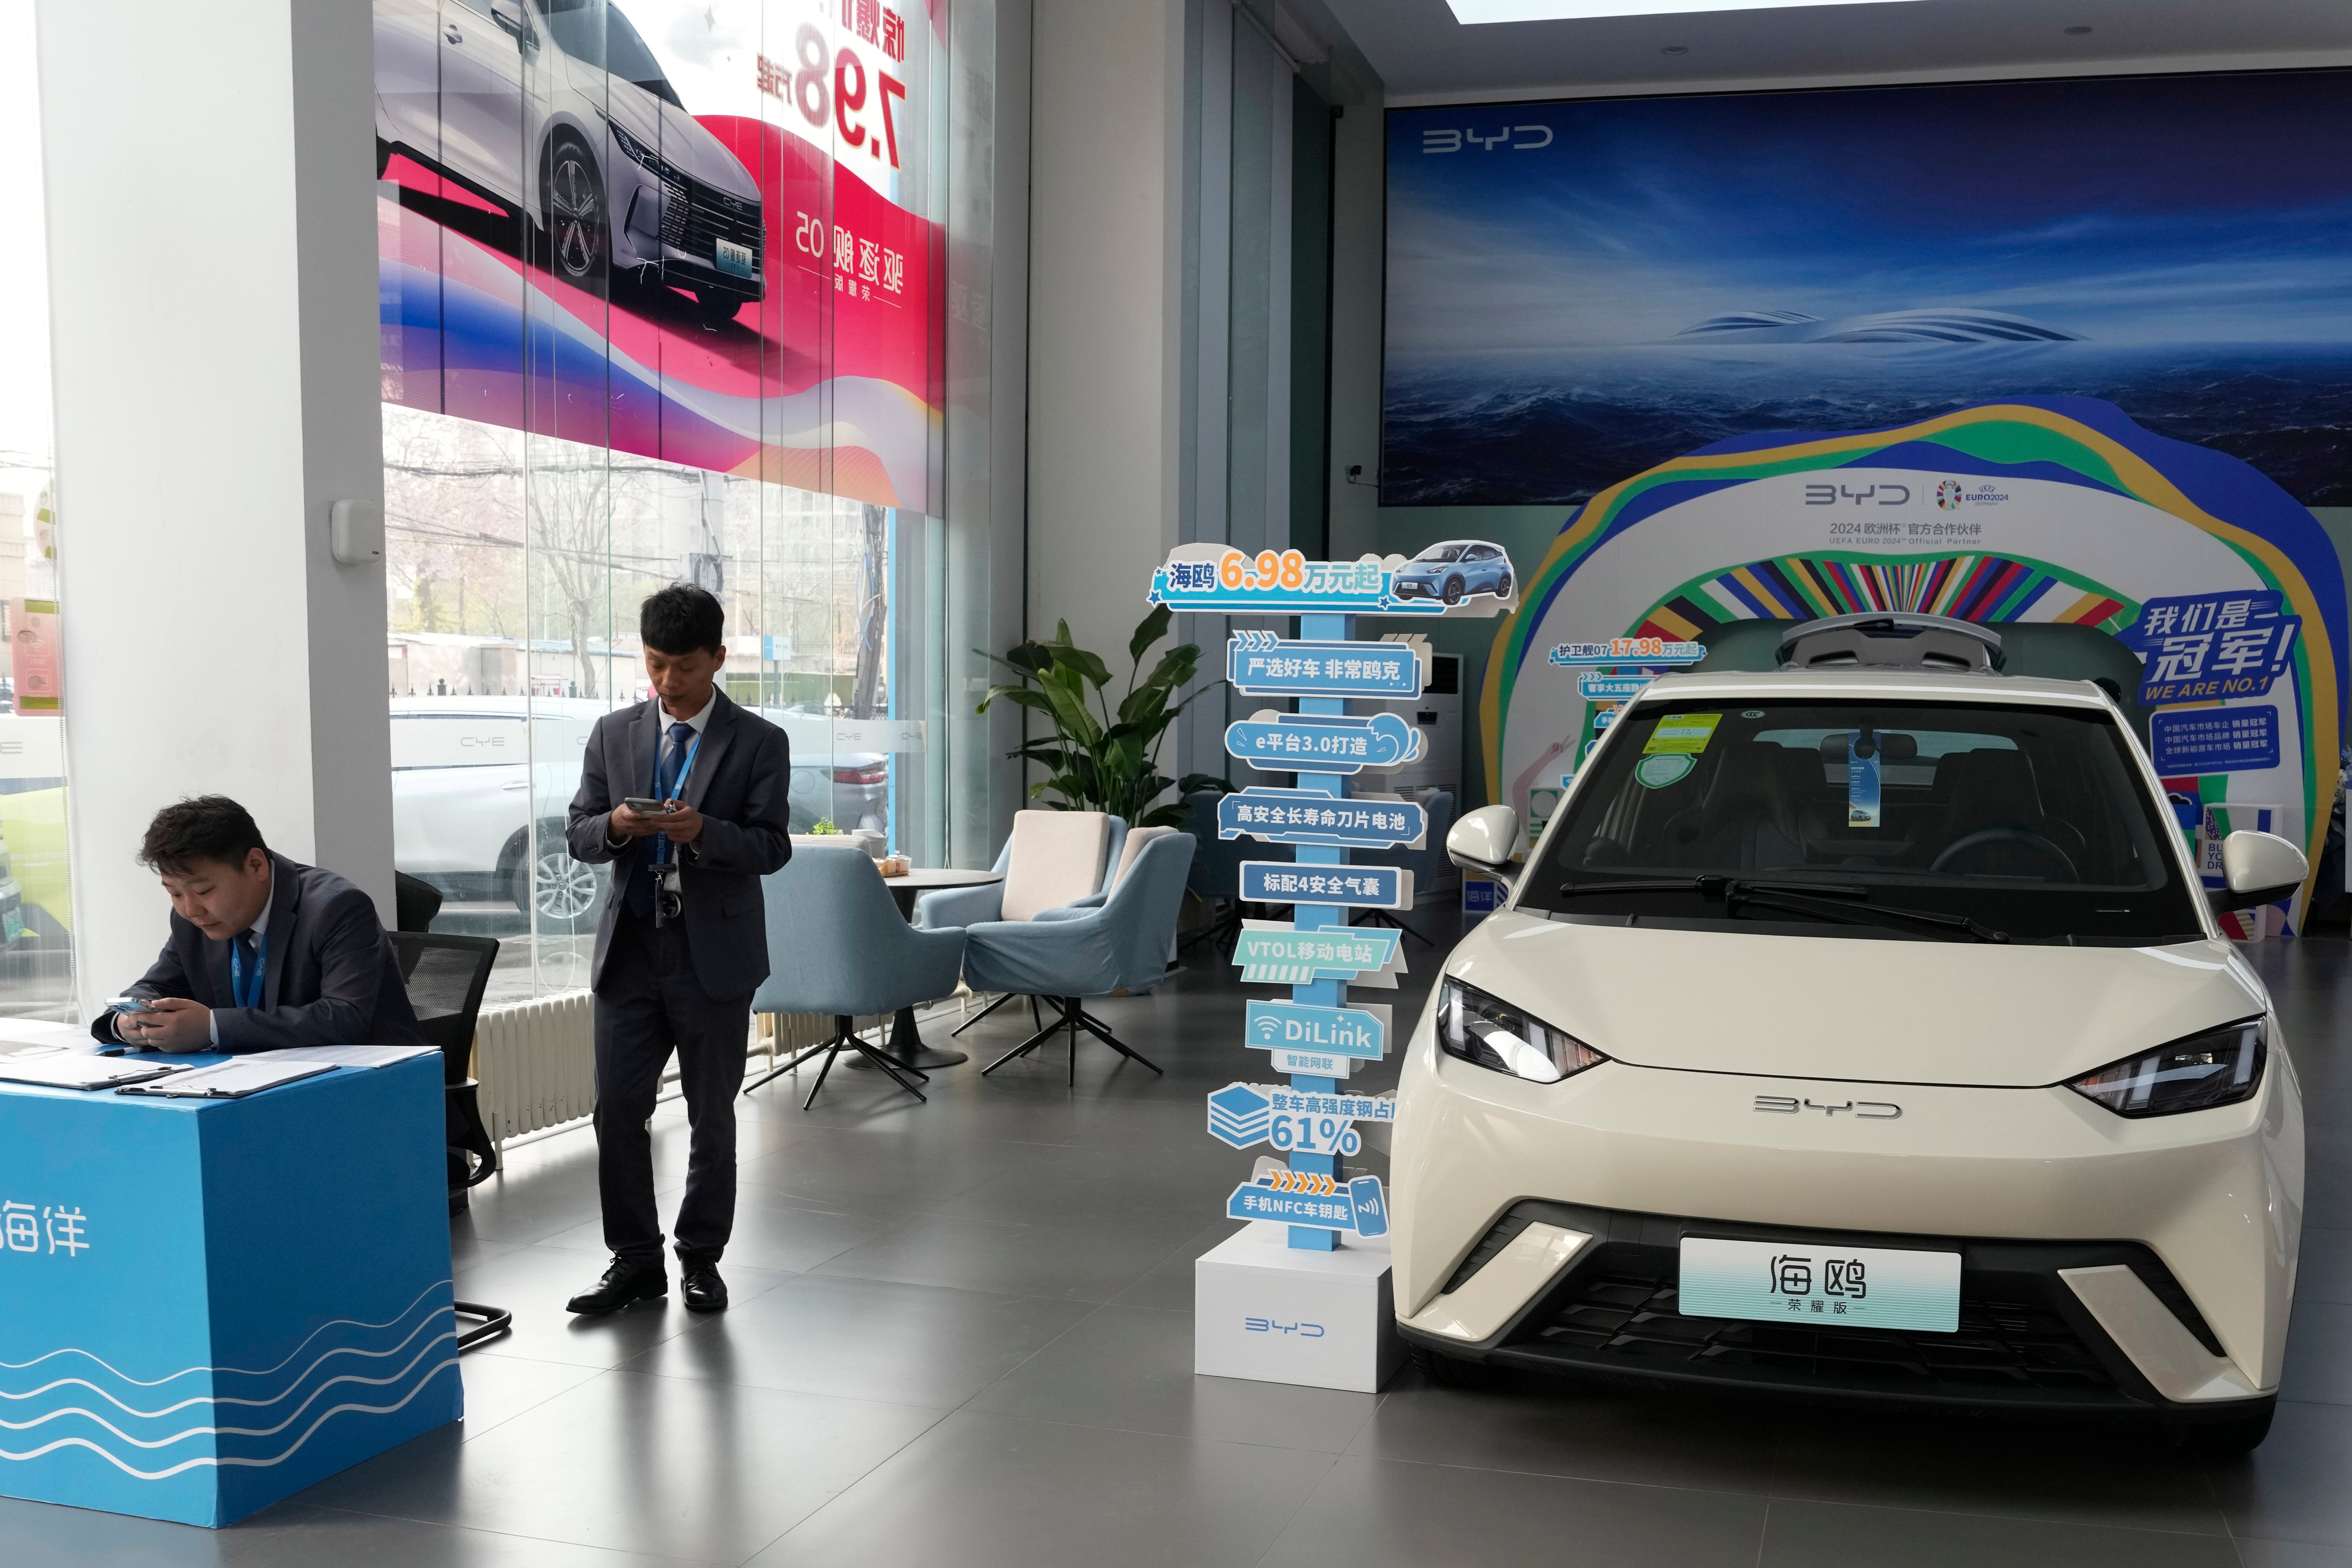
<point x="1862" y="804"/>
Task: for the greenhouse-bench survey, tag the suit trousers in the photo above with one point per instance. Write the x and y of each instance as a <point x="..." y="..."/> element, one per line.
<point x="649" y="1004"/>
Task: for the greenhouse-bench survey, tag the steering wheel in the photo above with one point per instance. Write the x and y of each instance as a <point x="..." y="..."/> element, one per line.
<point x="2020" y="842"/>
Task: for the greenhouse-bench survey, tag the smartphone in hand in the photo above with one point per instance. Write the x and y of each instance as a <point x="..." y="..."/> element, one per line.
<point x="645" y="805"/>
<point x="128" y="1004"/>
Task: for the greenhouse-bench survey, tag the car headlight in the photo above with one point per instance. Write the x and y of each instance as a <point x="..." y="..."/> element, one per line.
<point x="1499" y="1036"/>
<point x="2220" y="1066"/>
<point x="638" y="152"/>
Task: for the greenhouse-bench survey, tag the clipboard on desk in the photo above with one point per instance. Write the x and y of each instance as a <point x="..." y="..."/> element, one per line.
<point x="229" y="1081"/>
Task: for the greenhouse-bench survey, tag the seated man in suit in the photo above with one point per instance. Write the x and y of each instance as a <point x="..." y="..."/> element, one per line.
<point x="264" y="952"/>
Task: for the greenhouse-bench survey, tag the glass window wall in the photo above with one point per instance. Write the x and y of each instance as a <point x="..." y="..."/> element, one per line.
<point x="663" y="297"/>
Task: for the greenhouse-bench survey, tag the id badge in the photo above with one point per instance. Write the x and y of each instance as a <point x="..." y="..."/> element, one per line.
<point x="669" y="902"/>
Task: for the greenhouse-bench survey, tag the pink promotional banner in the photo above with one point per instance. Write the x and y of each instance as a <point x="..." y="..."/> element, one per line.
<point x="750" y="292"/>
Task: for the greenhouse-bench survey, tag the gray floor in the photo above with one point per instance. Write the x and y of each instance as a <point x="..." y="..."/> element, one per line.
<point x="961" y="1335"/>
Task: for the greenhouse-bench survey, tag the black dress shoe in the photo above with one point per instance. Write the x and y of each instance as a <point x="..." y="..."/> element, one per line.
<point x="623" y="1283"/>
<point x="703" y="1289"/>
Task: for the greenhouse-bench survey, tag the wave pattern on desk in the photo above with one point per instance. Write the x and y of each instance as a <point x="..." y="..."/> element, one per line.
<point x="259" y="1418"/>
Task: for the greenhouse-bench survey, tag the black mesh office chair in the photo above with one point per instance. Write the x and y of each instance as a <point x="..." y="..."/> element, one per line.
<point x="445" y="977"/>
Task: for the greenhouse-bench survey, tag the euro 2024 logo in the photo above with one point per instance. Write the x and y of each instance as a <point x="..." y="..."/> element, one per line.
<point x="1947" y="495"/>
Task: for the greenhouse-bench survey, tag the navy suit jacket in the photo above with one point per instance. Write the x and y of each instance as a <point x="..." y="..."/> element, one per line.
<point x="741" y="784"/>
<point x="330" y="978"/>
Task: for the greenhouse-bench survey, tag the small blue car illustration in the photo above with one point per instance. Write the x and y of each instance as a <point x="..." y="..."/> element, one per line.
<point x="1455" y="570"/>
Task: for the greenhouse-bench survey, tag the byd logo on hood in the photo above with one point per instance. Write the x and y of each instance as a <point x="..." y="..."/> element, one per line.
<point x="1512" y="138"/>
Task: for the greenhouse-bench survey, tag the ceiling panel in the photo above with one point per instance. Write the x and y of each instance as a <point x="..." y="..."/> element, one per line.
<point x="1422" y="52"/>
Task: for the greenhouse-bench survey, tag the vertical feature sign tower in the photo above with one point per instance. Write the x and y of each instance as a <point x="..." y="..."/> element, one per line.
<point x="1286" y="1299"/>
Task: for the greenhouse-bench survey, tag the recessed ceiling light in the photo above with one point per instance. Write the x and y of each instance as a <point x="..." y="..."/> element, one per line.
<point x="2076" y="32"/>
<point x="1675" y="49"/>
<point x="1471" y="11"/>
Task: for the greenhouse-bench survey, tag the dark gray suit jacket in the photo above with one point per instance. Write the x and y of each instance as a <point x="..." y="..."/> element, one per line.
<point x="741" y="784"/>
<point x="330" y="979"/>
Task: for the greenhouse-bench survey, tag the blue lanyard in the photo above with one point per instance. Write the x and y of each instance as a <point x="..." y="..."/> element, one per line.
<point x="677" y="789"/>
<point x="236" y="971"/>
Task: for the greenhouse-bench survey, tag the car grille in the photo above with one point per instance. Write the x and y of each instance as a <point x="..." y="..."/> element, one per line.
<point x="696" y="216"/>
<point x="2022" y="1336"/>
<point x="1628" y="1316"/>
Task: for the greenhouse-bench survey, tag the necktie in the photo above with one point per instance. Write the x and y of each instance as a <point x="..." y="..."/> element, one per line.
<point x="640" y="896"/>
<point x="249" y="963"/>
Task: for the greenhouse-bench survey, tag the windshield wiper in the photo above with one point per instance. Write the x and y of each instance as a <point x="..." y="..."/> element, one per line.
<point x="1796" y="898"/>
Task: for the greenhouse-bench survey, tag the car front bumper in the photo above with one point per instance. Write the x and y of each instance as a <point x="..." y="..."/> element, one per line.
<point x="2104" y="1260"/>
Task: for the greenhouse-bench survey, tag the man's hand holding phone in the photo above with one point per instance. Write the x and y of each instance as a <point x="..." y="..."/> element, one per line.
<point x="167" y="1024"/>
<point x="639" y="816"/>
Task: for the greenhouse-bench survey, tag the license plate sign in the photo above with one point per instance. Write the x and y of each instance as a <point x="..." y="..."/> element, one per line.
<point x="735" y="259"/>
<point x="1821" y="1286"/>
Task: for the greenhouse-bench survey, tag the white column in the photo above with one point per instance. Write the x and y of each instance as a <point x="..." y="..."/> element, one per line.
<point x="1106" y="172"/>
<point x="213" y="296"/>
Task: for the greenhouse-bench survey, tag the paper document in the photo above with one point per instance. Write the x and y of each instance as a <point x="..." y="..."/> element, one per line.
<point x="231" y="1080"/>
<point x="73" y="1070"/>
<point x="347" y="1056"/>
<point x="25" y="1033"/>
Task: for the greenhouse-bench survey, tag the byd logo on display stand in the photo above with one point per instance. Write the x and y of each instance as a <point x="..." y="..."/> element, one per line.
<point x="1268" y="1326"/>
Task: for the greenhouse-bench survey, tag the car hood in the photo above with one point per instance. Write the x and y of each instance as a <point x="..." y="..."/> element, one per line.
<point x="1872" y="1011"/>
<point x="683" y="140"/>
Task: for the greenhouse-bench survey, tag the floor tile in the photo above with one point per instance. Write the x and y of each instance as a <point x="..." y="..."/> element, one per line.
<point x="2293" y="1487"/>
<point x="2319" y="1353"/>
<point x="2324" y="1268"/>
<point x="768" y="1235"/>
<point x="1086" y="1265"/>
<point x="1167" y="1284"/>
<point x="500" y="1387"/>
<point x="894" y="1175"/>
<point x="1546" y="1428"/>
<point x="319" y="1537"/>
<point x="2028" y="1468"/>
<point x="868" y="1339"/>
<point x="1835" y="1535"/>
<point x="2256" y="1553"/>
<point x="1130" y="1368"/>
<point x="666" y="1466"/>
<point x="1374" y="1513"/>
<point x="534" y="1282"/>
<point x="982" y="1491"/>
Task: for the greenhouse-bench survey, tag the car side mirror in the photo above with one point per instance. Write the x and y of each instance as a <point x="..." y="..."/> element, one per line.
<point x="2259" y="868"/>
<point x="1482" y="841"/>
<point x="508" y="15"/>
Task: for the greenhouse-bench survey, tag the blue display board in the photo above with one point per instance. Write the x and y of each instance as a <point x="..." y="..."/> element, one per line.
<point x="1308" y="816"/>
<point x="1260" y="664"/>
<point x="1325" y="743"/>
<point x="1350" y="886"/>
<point x="213" y="1304"/>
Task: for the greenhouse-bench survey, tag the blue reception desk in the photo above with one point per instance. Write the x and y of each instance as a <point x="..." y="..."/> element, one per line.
<point x="208" y="1305"/>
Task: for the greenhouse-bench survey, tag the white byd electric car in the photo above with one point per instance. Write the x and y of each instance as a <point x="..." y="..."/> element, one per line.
<point x="1862" y="1029"/>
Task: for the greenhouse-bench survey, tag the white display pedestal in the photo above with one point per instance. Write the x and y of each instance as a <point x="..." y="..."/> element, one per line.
<point x="1267" y="1312"/>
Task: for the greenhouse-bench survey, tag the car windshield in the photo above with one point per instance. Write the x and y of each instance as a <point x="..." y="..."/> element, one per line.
<point x="2031" y="821"/>
<point x="1436" y="553"/>
<point x="595" y="33"/>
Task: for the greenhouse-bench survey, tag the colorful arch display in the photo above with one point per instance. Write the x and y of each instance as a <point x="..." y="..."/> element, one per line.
<point x="2032" y="510"/>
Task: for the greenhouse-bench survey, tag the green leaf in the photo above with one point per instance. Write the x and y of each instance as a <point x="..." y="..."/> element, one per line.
<point x="1024" y="696"/>
<point x="1149" y="630"/>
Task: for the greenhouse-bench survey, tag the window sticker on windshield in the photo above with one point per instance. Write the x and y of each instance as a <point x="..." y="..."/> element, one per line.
<point x="1657" y="772"/>
<point x="1860" y="781"/>
<point x="1682" y="733"/>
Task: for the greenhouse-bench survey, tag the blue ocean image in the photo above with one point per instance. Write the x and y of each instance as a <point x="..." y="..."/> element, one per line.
<point x="1577" y="292"/>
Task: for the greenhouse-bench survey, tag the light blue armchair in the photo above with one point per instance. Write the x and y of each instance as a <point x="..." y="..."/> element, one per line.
<point x="837" y="945"/>
<point x="1122" y="945"/>
<point x="1051" y="859"/>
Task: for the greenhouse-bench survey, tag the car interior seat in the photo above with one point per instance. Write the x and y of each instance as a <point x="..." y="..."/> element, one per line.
<point x="1747" y="819"/>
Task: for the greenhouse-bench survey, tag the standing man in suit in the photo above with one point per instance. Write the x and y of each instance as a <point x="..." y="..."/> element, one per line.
<point x="264" y="952"/>
<point x="683" y="942"/>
